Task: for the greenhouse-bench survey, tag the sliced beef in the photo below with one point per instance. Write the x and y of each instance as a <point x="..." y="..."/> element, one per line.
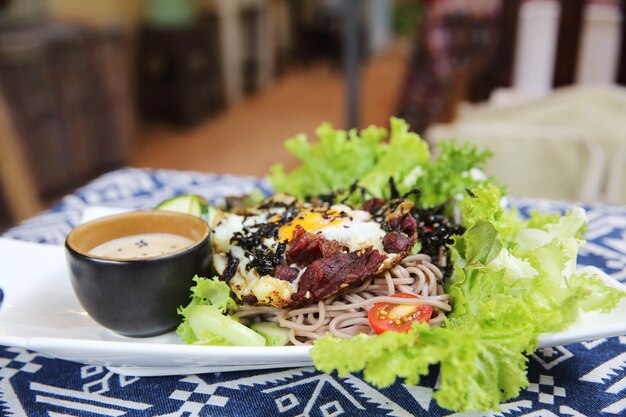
<point x="329" y="276"/>
<point x="285" y="273"/>
<point x="408" y="225"/>
<point x="373" y="205"/>
<point x="394" y="222"/>
<point x="249" y="299"/>
<point x="396" y="242"/>
<point x="405" y="224"/>
<point x="305" y="247"/>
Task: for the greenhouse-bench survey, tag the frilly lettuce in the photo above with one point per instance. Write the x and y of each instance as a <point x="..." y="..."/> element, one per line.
<point x="513" y="279"/>
<point x="341" y="158"/>
<point x="204" y="320"/>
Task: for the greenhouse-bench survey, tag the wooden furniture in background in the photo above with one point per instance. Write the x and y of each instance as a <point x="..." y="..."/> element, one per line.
<point x="241" y="43"/>
<point x="621" y="71"/>
<point x="179" y="73"/>
<point x="15" y="177"/>
<point x="568" y="43"/>
<point x="67" y="92"/>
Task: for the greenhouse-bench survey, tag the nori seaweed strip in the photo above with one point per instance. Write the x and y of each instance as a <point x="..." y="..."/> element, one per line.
<point x="262" y="258"/>
<point x="231" y="268"/>
<point x="394" y="193"/>
<point x="435" y="231"/>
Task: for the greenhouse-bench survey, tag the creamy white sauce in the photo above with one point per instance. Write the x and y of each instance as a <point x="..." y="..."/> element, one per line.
<point x="141" y="246"/>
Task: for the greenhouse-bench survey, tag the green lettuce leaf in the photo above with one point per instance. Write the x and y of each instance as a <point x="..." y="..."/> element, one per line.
<point x="596" y="294"/>
<point x="479" y="367"/>
<point x="451" y="172"/>
<point x="205" y="321"/>
<point x="340" y="158"/>
<point x="485" y="204"/>
<point x="480" y="244"/>
<point x="332" y="164"/>
<point x="400" y="159"/>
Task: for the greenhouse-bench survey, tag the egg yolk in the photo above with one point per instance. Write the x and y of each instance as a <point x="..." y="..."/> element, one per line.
<point x="311" y="221"/>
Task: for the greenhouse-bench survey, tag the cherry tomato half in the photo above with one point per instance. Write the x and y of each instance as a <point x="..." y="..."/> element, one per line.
<point x="398" y="317"/>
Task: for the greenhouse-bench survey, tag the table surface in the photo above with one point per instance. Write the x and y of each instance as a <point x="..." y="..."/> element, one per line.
<point x="582" y="379"/>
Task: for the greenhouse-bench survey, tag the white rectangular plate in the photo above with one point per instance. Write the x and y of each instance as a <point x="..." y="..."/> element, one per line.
<point x="40" y="312"/>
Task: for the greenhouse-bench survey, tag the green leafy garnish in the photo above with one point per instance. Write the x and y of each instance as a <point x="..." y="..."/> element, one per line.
<point x="204" y="320"/>
<point x="340" y="158"/>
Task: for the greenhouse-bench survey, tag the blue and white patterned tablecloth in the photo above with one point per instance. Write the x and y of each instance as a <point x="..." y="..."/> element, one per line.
<point x="584" y="379"/>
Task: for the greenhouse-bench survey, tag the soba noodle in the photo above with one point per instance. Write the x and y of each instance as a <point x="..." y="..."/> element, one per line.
<point x="345" y="315"/>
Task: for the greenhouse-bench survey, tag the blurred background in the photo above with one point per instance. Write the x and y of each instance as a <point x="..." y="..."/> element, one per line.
<point x="218" y="85"/>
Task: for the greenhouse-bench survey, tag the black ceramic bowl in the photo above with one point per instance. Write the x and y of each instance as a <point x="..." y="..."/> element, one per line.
<point x="138" y="296"/>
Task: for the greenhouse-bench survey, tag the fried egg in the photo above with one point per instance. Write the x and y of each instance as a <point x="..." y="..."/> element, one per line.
<point x="248" y="246"/>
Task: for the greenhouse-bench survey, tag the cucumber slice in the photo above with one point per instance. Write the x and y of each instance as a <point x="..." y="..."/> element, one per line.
<point x="210" y="215"/>
<point x="274" y="334"/>
<point x="193" y="204"/>
<point x="203" y="318"/>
